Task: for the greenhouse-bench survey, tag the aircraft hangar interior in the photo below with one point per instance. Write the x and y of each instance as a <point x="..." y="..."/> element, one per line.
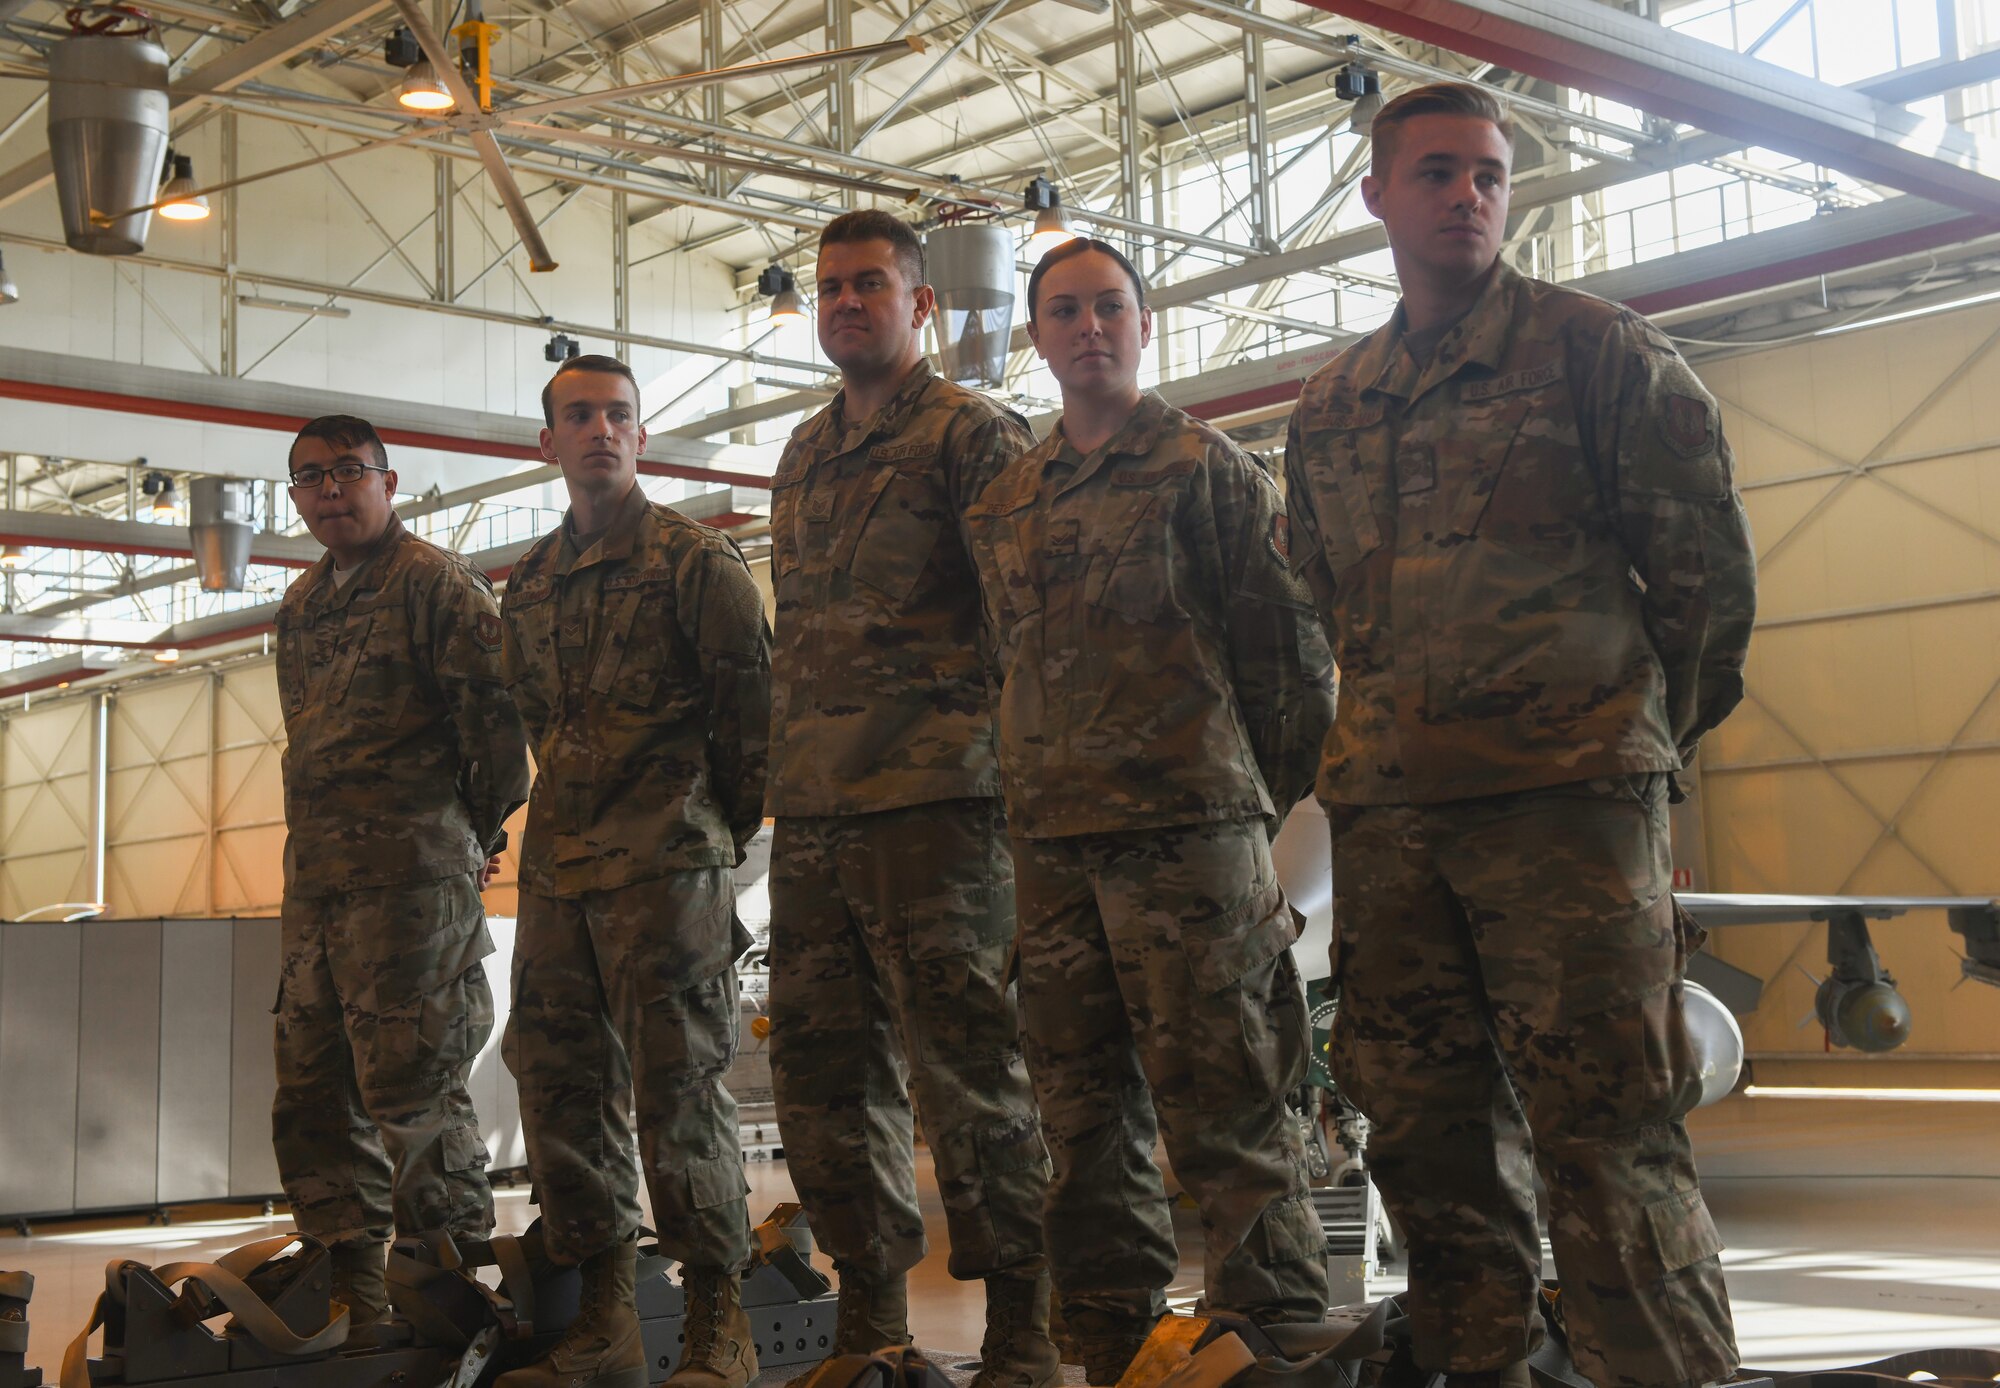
<point x="1143" y="692"/>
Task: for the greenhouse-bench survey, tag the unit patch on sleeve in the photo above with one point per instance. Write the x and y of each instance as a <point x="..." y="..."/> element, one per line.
<point x="486" y="631"/>
<point x="1281" y="539"/>
<point x="1685" y="424"/>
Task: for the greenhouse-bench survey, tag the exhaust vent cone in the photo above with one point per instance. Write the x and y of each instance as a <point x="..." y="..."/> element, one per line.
<point x="972" y="274"/>
<point x="221" y="521"/>
<point x="107" y="136"/>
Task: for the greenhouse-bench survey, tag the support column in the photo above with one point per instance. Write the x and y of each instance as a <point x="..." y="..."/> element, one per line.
<point x="1257" y="153"/>
<point x="839" y="106"/>
<point x="621" y="274"/>
<point x="445" y="271"/>
<point x="228" y="214"/>
<point x="711" y="95"/>
<point x="100" y="807"/>
<point x="1128" y="120"/>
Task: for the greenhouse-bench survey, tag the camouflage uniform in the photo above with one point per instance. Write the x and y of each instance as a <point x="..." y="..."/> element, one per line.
<point x="642" y="669"/>
<point x="403" y="758"/>
<point x="1539" y="582"/>
<point x="1166" y="690"/>
<point x="892" y="893"/>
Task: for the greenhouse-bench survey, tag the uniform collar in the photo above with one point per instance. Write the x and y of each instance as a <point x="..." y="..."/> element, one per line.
<point x="1135" y="439"/>
<point x="320" y="589"/>
<point x="834" y="433"/>
<point x="617" y="540"/>
<point x="1479" y="338"/>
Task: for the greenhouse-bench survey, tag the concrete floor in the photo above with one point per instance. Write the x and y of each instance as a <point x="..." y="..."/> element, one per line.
<point x="1855" y="1230"/>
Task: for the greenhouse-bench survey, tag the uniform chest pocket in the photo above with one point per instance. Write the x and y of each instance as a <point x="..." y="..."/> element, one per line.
<point x="786" y="490"/>
<point x="379" y="686"/>
<point x="1530" y="491"/>
<point x="1337" y="465"/>
<point x="1134" y="573"/>
<point x="901" y="512"/>
<point x="638" y="638"/>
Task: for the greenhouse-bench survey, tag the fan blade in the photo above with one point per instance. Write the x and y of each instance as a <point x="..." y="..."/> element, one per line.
<point x="539" y="109"/>
<point x="662" y="150"/>
<point x="510" y="197"/>
<point x="443" y="60"/>
<point x="416" y="133"/>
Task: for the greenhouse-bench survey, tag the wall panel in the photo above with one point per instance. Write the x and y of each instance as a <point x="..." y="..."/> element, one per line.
<point x="1867" y="755"/>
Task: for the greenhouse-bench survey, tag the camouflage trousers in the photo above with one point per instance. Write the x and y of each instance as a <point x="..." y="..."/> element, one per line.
<point x="1160" y="999"/>
<point x="890" y="936"/>
<point x="1510" y="1000"/>
<point x="626" y="1000"/>
<point x="382" y="1006"/>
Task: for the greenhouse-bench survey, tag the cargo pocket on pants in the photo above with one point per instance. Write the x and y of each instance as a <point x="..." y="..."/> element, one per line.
<point x="1614" y="963"/>
<point x="463" y="1151"/>
<point x="1250" y="1043"/>
<point x="1684" y="1232"/>
<point x="959" y="943"/>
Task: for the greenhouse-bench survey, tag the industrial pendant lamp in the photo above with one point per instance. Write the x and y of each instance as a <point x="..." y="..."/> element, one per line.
<point x="783" y="287"/>
<point x="12" y="556"/>
<point x="179" y="200"/>
<point x="1052" y="226"/>
<point x="423" y="89"/>
<point x="166" y="500"/>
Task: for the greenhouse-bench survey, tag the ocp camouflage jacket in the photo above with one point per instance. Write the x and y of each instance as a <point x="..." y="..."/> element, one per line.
<point x="404" y="755"/>
<point x="1162" y="665"/>
<point x="642" y="669"/>
<point x="882" y="693"/>
<point x="1529" y="553"/>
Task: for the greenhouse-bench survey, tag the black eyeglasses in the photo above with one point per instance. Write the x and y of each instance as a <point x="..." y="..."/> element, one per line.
<point x="308" y="479"/>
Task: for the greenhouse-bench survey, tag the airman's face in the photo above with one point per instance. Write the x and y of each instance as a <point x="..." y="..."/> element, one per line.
<point x="869" y="319"/>
<point x="1088" y="325"/>
<point x="1444" y="198"/>
<point x="343" y="516"/>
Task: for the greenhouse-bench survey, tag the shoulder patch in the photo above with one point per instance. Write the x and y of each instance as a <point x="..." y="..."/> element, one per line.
<point x="1684" y="424"/>
<point x="486" y="631"/>
<point x="1280" y="539"/>
<point x="1527" y="378"/>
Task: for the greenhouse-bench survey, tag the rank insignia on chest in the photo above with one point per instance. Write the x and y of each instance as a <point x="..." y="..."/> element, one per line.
<point x="573" y="631"/>
<point x="1063" y="538"/>
<point x="1685" y="424"/>
<point x="1416" y="469"/>
<point x="1281" y="539"/>
<point x="486" y="631"/>
<point x="820" y="507"/>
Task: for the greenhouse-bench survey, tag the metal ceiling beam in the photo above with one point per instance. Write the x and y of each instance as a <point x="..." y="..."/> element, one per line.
<point x="247" y="61"/>
<point x="54" y="530"/>
<point x="1596" y="48"/>
<point x="92" y="383"/>
<point x="1914" y="83"/>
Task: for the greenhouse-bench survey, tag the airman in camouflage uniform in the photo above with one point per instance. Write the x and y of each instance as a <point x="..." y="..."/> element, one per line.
<point x="403" y="758"/>
<point x="1166" y="689"/>
<point x="1519" y="522"/>
<point x="637" y="651"/>
<point x="892" y="893"/>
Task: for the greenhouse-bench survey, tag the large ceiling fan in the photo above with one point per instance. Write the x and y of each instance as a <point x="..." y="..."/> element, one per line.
<point x="472" y="115"/>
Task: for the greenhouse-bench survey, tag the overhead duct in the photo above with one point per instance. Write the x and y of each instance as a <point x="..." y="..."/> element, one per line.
<point x="107" y="132"/>
<point x="972" y="273"/>
<point x="221" y="521"/>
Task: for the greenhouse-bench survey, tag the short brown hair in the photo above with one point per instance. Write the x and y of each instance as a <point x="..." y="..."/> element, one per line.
<point x="872" y="224"/>
<point x="609" y="366"/>
<point x="1437" y="99"/>
<point x="346" y="432"/>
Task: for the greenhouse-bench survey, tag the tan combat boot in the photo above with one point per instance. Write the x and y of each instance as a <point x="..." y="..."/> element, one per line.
<point x="359" y="1283"/>
<point x="873" y="1314"/>
<point x="1018" y="1352"/>
<point x="718" y="1349"/>
<point x="601" y="1348"/>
